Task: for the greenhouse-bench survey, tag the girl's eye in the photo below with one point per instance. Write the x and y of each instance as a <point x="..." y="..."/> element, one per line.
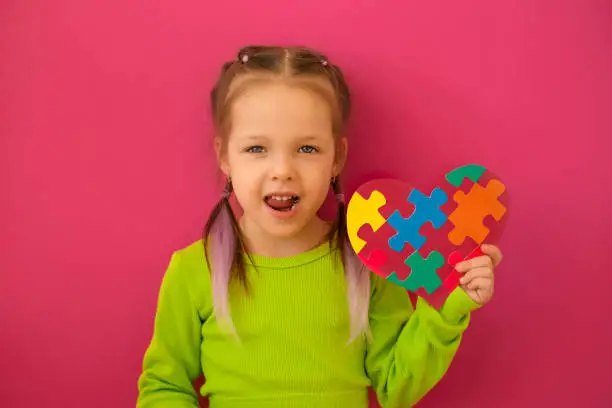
<point x="254" y="149"/>
<point x="308" y="149"/>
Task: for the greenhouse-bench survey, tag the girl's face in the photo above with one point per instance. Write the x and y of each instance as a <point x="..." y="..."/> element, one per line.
<point x="281" y="156"/>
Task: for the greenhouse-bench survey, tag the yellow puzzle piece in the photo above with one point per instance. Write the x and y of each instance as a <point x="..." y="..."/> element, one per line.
<point x="366" y="211"/>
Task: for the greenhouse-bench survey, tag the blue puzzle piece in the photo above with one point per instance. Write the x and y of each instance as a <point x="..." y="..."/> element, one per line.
<point x="426" y="209"/>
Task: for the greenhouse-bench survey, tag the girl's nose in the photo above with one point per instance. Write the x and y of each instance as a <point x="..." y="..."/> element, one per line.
<point x="283" y="168"/>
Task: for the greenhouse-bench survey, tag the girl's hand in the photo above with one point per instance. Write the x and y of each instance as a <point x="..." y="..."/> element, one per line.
<point x="478" y="278"/>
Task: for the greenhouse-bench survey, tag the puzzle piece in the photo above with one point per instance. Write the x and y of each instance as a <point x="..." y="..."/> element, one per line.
<point x="365" y="210"/>
<point x="427" y="209"/>
<point x="472" y="208"/>
<point x="452" y="280"/>
<point x="374" y="259"/>
<point x="423" y="273"/>
<point x="437" y="238"/>
<point x="376" y="255"/>
<point x="471" y="171"/>
<point x="396" y="192"/>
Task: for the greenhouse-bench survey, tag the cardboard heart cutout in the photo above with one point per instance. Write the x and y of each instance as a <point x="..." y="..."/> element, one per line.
<point x="415" y="239"/>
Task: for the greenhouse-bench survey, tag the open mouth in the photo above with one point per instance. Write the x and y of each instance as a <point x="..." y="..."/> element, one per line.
<point x="282" y="203"/>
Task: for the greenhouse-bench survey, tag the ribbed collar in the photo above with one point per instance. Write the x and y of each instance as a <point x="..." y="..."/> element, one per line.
<point x="312" y="255"/>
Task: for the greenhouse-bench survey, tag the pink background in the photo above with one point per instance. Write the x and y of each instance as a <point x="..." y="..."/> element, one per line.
<point x="106" y="168"/>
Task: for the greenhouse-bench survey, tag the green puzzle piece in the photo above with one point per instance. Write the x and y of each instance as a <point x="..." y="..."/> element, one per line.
<point x="423" y="272"/>
<point x="471" y="171"/>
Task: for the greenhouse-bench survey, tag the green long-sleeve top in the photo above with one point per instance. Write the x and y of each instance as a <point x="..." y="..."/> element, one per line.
<point x="293" y="329"/>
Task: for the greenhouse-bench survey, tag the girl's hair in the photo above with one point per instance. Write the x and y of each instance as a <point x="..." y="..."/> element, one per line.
<point x="222" y="237"/>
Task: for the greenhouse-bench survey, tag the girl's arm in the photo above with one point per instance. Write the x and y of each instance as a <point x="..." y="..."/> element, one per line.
<point x="411" y="349"/>
<point x="172" y="360"/>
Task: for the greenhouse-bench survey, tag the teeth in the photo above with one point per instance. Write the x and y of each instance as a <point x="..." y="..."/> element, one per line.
<point x="282" y="198"/>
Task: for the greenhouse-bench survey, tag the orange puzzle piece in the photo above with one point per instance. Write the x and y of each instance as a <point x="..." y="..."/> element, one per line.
<point x="472" y="208"/>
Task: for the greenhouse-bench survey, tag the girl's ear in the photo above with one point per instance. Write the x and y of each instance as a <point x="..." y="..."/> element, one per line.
<point x="341" y="157"/>
<point x="221" y="155"/>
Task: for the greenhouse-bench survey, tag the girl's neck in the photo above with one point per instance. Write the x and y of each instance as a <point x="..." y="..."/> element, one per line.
<point x="260" y="243"/>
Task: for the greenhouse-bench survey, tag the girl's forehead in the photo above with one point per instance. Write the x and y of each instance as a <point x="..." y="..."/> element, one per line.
<point x="277" y="108"/>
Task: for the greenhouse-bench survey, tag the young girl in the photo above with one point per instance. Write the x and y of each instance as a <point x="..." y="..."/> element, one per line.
<point x="273" y="307"/>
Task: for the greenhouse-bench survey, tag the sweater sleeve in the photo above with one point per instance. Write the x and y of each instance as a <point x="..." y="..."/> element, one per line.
<point x="411" y="349"/>
<point x="172" y="360"/>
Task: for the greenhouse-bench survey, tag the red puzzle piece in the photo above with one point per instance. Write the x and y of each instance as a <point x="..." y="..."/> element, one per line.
<point x="397" y="198"/>
<point x="452" y="280"/>
<point x="375" y="254"/>
<point x="374" y="259"/>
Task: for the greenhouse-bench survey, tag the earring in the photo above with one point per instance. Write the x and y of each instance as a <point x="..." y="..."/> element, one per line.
<point x="337" y="191"/>
<point x="228" y="188"/>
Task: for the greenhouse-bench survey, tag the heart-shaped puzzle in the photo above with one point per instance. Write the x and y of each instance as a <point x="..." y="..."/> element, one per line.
<point x="415" y="239"/>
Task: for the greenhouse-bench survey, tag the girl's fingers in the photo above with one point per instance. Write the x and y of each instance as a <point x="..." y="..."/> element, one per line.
<point x="491" y="259"/>
<point x="478" y="262"/>
<point x="480" y="284"/>
<point x="493" y="252"/>
<point x="483" y="272"/>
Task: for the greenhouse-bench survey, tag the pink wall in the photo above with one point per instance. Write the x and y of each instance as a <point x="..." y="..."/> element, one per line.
<point x="105" y="168"/>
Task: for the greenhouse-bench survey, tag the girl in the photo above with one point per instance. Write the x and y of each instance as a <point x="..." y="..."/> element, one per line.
<point x="273" y="307"/>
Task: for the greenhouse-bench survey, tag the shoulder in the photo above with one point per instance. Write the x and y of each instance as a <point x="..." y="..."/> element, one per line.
<point x="191" y="256"/>
<point x="188" y="269"/>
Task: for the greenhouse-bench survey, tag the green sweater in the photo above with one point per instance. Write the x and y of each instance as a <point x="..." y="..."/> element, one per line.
<point x="293" y="330"/>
